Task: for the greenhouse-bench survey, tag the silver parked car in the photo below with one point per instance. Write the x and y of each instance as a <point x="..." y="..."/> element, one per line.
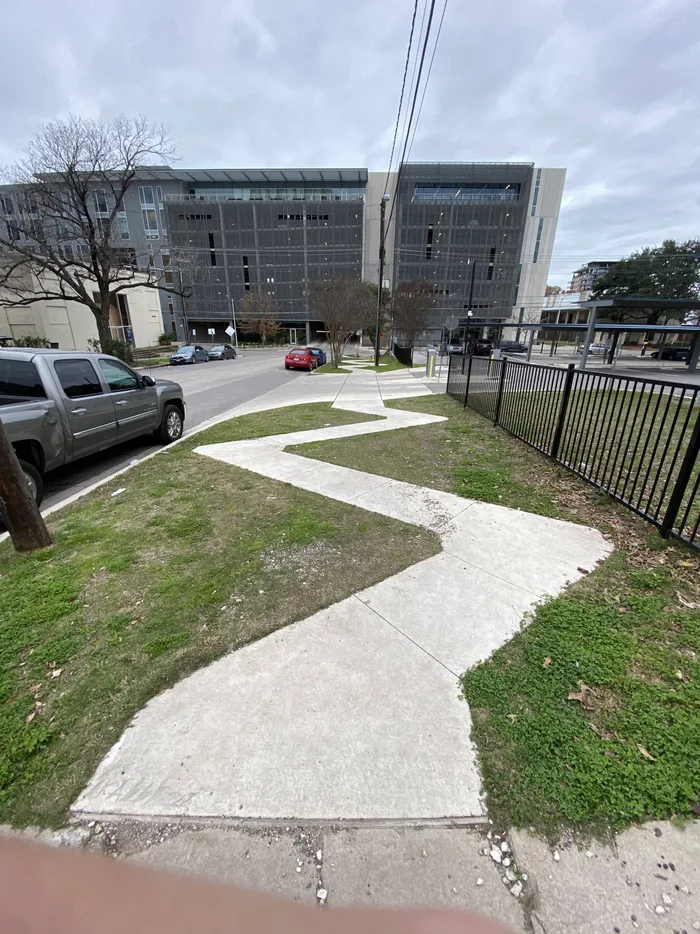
<point x="190" y="353"/>
<point x="58" y="406"/>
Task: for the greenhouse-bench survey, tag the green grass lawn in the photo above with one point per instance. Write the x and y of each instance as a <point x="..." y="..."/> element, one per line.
<point x="630" y="631"/>
<point x="329" y="368"/>
<point x="196" y="558"/>
<point x="387" y="362"/>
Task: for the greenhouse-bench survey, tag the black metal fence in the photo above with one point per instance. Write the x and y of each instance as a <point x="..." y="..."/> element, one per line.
<point x="637" y="439"/>
<point x="403" y="354"/>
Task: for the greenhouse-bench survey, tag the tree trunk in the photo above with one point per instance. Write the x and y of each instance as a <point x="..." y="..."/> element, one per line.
<point x="103" y="331"/>
<point x="25" y="525"/>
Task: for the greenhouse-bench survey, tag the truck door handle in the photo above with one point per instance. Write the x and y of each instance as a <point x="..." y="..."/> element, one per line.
<point x="122" y="402"/>
<point x="78" y="411"/>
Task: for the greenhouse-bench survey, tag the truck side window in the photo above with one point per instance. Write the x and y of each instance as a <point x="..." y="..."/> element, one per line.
<point x="78" y="378"/>
<point x="118" y="376"/>
<point x="19" y="382"/>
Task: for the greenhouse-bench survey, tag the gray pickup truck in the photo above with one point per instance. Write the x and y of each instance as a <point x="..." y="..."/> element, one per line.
<point x="57" y="406"/>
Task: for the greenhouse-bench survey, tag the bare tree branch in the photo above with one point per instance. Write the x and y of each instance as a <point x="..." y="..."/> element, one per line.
<point x="62" y="208"/>
<point x="344" y="306"/>
<point x="412" y="303"/>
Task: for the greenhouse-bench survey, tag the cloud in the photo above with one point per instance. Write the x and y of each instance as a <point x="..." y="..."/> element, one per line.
<point x="606" y="89"/>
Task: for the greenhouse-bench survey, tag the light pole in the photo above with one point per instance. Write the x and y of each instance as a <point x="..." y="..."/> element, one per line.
<point x="382" y="210"/>
<point x="235" y="326"/>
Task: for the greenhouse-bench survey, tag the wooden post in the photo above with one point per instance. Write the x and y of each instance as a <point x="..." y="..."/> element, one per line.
<point x="24" y="523"/>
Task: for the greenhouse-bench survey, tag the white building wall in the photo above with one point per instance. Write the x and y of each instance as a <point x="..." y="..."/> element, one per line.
<point x="534" y="275"/>
<point x="70" y="324"/>
<point x="373" y="200"/>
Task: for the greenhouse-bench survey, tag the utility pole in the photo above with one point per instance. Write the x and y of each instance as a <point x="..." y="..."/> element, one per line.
<point x="382" y="210"/>
<point x="20" y="513"/>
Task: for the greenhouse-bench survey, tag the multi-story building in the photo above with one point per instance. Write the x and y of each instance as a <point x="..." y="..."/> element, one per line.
<point x="585" y="278"/>
<point x="480" y="233"/>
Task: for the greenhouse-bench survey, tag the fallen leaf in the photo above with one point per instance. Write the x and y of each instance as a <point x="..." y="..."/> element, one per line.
<point x="31" y="716"/>
<point x="660" y="876"/>
<point x="584" y="696"/>
<point x="61" y="735"/>
<point x="609" y="754"/>
<point x="56" y="672"/>
<point x="687" y="603"/>
<point x="33" y="688"/>
<point x="568" y="767"/>
<point x="512" y="717"/>
<point x="645" y="753"/>
<point x="679" y="675"/>
<point x="686" y="564"/>
<point x="621" y="610"/>
<point x="583" y="570"/>
<point x="547" y="662"/>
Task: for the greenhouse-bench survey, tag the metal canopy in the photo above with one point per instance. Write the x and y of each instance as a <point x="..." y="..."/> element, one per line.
<point x="598" y="326"/>
<point x="253" y="176"/>
<point x="663" y="304"/>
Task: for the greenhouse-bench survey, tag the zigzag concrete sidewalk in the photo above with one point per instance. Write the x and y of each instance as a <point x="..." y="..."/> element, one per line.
<point x="353" y="713"/>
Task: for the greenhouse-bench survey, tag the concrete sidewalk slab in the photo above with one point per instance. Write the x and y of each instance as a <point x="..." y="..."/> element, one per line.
<point x="263" y="862"/>
<point x="339" y="717"/>
<point x="355" y="712"/>
<point x="461" y="621"/>
<point x="407" y="868"/>
<point x="649" y="882"/>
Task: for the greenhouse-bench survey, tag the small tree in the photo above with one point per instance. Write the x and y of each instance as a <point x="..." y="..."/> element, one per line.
<point x="411" y="307"/>
<point x="61" y="238"/>
<point x="258" y="315"/>
<point x="671" y="270"/>
<point x="344" y="306"/>
<point x="553" y="290"/>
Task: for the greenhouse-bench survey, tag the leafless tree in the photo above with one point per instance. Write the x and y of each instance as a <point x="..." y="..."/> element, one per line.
<point x="258" y="315"/>
<point x="412" y="304"/>
<point x="344" y="306"/>
<point x="63" y="207"/>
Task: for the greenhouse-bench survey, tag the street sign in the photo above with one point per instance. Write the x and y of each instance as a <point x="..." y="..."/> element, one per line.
<point x="452" y="322"/>
<point x="194" y="332"/>
<point x="230" y="331"/>
<point x="211" y="331"/>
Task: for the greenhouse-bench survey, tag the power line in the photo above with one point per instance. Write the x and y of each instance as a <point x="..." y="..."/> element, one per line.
<point x="427" y="79"/>
<point x="413" y="105"/>
<point x="403" y="87"/>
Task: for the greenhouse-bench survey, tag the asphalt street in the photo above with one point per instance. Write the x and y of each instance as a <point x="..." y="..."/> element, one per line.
<point x="210" y="389"/>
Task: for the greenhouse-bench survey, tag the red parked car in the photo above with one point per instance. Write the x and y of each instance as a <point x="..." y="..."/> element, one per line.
<point x="300" y="358"/>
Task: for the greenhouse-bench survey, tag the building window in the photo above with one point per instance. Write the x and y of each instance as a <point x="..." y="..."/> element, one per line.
<point x="466" y="192"/>
<point x="537" y="241"/>
<point x="167" y="271"/>
<point x="13" y="233"/>
<point x="146" y="196"/>
<point x="123" y="222"/>
<point x="492" y="260"/>
<point x="536" y="193"/>
<point x="99" y="199"/>
<point x="7" y="205"/>
<point x="429" y="242"/>
<point x="212" y="250"/>
<point x="517" y="283"/>
<point x="159" y="197"/>
<point x="150" y="223"/>
<point x="246" y="274"/>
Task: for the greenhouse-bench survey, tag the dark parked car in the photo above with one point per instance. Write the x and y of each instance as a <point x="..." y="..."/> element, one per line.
<point x="190" y="353"/>
<point x="319" y="354"/>
<point x="482" y="348"/>
<point x="672" y="353"/>
<point x="513" y="347"/>
<point x="301" y="358"/>
<point x="222" y="352"/>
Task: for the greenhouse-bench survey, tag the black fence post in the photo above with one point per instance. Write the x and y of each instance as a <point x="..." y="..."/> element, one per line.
<point x="682" y="481"/>
<point x="469" y="376"/>
<point x="566" y="393"/>
<point x="504" y="364"/>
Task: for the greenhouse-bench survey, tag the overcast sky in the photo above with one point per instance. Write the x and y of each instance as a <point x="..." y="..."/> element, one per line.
<point x="606" y="88"/>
